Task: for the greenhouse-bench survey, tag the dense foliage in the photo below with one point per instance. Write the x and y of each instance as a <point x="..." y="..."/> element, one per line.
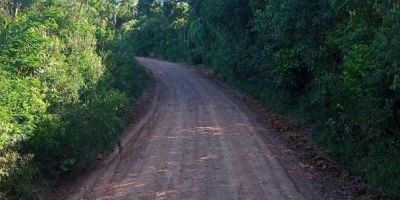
<point x="335" y="63"/>
<point x="67" y="71"/>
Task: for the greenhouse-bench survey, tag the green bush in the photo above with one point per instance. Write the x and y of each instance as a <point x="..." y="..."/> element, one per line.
<point x="66" y="75"/>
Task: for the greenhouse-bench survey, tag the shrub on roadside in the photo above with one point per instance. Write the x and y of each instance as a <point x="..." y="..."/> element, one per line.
<point x="64" y="88"/>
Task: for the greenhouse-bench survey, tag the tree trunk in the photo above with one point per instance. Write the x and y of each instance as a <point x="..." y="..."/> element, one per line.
<point x="16" y="9"/>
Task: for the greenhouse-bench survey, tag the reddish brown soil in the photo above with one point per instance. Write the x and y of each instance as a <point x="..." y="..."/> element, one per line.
<point x="199" y="141"/>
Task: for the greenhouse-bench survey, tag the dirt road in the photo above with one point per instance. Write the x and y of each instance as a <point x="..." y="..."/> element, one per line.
<point x="197" y="141"/>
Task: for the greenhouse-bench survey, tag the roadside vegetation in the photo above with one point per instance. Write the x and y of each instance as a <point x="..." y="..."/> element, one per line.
<point x="334" y="63"/>
<point x="67" y="72"/>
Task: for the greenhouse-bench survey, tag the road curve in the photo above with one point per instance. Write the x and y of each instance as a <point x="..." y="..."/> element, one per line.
<point x="195" y="142"/>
